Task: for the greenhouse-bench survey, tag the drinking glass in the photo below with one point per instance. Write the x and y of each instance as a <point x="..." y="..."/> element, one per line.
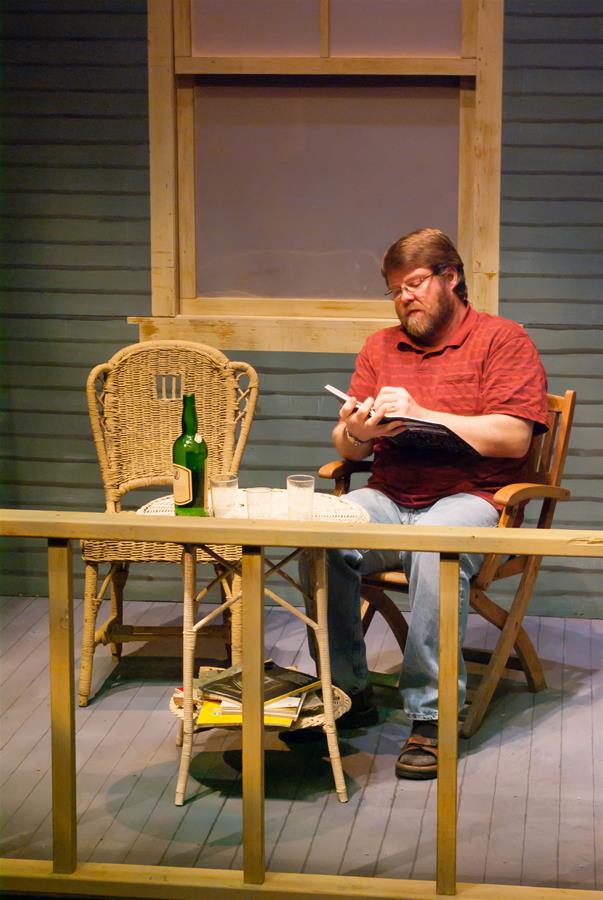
<point x="225" y="495"/>
<point x="300" y="496"/>
<point x="259" y="502"/>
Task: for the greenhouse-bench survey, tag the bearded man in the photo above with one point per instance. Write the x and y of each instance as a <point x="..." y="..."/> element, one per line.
<point x="477" y="374"/>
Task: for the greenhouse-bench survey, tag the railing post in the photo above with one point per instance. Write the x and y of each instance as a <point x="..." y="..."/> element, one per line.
<point x="254" y="861"/>
<point x="447" y="723"/>
<point x="62" y="706"/>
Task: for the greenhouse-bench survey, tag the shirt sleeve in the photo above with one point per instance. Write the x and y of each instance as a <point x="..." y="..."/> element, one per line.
<point x="363" y="381"/>
<point x="514" y="381"/>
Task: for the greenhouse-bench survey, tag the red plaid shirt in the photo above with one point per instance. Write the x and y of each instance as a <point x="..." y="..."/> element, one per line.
<point x="489" y="365"/>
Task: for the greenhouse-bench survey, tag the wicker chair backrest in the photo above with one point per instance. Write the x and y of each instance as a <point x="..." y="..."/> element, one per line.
<point x="135" y="407"/>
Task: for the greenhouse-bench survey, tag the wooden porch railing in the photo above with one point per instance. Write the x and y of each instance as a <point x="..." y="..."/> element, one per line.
<point x="64" y="875"/>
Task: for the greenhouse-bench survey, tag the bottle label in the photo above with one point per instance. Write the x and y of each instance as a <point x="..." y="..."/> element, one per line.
<point x="183" y="485"/>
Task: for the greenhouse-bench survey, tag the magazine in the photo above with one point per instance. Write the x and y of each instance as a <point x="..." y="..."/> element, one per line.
<point x="212" y="715"/>
<point x="284" y="706"/>
<point x="419" y="433"/>
<point x="278" y="682"/>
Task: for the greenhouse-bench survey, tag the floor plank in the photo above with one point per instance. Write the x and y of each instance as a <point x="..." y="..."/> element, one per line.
<point x="576" y="816"/>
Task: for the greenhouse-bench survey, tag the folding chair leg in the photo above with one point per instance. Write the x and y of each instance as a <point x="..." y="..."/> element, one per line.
<point x="524" y="648"/>
<point x="376" y="600"/>
<point x="188" y="664"/>
<point x="503" y="648"/>
<point x="91" y="605"/>
<point x="367" y="614"/>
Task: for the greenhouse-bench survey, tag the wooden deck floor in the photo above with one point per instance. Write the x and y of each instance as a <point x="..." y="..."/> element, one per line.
<point x="530" y="782"/>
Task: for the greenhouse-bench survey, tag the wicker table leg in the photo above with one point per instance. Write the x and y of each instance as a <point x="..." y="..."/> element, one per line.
<point x="189" y="636"/>
<point x="319" y="579"/>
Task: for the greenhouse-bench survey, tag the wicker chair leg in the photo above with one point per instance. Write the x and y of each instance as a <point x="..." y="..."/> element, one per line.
<point x="91" y="605"/>
<point x="236" y="636"/>
<point x="188" y="664"/>
<point x="118" y="583"/>
<point x="179" y="733"/>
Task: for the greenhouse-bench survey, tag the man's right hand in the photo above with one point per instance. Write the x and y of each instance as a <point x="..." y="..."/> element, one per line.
<point x="356" y="431"/>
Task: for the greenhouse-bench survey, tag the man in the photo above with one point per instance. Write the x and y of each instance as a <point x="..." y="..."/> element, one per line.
<point x="478" y="374"/>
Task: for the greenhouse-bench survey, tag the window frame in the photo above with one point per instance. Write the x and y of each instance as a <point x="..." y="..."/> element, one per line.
<point x="321" y="324"/>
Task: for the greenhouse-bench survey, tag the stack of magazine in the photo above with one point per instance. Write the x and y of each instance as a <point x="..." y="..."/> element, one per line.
<point x="286" y="692"/>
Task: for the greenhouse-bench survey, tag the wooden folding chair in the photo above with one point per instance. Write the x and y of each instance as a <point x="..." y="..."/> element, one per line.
<point x="547" y="459"/>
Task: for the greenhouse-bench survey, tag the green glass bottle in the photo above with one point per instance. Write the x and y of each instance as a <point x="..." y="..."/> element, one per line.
<point x="189" y="455"/>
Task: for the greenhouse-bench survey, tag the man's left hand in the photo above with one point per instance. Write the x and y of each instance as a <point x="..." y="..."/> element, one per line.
<point x="396" y="401"/>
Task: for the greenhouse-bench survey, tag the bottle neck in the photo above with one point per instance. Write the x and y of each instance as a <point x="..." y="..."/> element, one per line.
<point x="189" y="415"/>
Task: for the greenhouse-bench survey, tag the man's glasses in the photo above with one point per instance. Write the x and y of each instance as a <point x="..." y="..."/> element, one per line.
<point x="414" y="287"/>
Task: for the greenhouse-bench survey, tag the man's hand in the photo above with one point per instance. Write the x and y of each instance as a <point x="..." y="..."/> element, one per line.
<point x="396" y="401"/>
<point x="353" y="436"/>
<point x="494" y="435"/>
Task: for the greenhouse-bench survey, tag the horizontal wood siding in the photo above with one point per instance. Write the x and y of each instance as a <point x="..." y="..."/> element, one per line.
<point x="75" y="213"/>
<point x="551" y="244"/>
<point x="76" y="231"/>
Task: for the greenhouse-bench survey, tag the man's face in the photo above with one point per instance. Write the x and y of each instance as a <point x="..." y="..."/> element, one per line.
<point x="425" y="303"/>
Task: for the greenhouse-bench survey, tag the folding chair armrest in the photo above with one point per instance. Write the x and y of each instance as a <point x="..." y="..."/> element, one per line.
<point x="341" y="470"/>
<point x="512" y="494"/>
<point x="338" y="468"/>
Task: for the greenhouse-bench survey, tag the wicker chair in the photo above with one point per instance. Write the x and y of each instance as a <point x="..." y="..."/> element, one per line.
<point x="135" y="407"/>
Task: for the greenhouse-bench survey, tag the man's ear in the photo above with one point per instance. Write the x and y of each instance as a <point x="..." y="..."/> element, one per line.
<point x="453" y="277"/>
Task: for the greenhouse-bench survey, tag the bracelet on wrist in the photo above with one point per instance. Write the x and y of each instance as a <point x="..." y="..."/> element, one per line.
<point x="354" y="440"/>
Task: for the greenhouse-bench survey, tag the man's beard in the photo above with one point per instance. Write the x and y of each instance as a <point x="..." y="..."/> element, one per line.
<point x="426" y="327"/>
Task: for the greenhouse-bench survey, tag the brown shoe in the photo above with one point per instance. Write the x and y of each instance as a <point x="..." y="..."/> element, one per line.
<point x="418" y="758"/>
<point x="362" y="712"/>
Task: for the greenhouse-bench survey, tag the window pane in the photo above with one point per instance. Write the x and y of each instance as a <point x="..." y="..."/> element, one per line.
<point x="395" y="28"/>
<point x="300" y="187"/>
<point x="258" y="28"/>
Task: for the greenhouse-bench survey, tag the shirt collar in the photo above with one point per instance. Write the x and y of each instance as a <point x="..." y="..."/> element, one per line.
<point x="457" y="337"/>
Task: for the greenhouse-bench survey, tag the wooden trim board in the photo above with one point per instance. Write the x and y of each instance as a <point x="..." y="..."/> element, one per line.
<point x="250" y="332"/>
<point x="162" y="160"/>
<point x="452" y="66"/>
<point x="286" y="307"/>
<point x="486" y="134"/>
<point x="158" y="882"/>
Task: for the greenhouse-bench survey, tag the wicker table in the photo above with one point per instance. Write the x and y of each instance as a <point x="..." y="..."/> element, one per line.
<point x="327" y="508"/>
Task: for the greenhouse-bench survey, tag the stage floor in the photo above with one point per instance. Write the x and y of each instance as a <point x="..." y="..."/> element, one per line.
<point x="530" y="781"/>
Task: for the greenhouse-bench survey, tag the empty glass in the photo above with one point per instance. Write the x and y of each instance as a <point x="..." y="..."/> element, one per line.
<point x="259" y="502"/>
<point x="300" y="496"/>
<point x="225" y="495"/>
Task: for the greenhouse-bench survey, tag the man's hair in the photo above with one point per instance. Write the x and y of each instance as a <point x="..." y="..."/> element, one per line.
<point x="429" y="248"/>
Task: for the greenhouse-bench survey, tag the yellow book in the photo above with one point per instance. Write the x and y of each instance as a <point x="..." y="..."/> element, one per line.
<point x="211" y="714"/>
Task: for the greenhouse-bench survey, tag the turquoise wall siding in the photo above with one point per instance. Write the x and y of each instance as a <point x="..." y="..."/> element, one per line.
<point x="76" y="226"/>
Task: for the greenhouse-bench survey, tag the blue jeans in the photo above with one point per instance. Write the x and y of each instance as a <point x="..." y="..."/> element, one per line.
<point x="419" y="676"/>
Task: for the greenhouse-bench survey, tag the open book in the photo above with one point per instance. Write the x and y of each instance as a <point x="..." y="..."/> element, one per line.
<point x="278" y="682"/>
<point x="419" y="433"/>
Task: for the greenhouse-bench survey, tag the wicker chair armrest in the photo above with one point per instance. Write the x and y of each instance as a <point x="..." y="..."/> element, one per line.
<point x="512" y="494"/>
<point x="339" y="468"/>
